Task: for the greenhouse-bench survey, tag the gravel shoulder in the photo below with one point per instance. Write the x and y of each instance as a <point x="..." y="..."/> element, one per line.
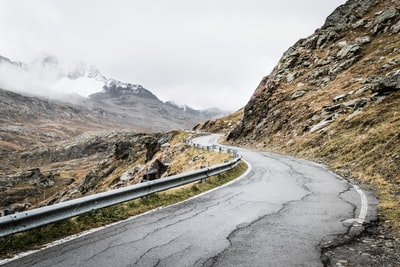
<point x="376" y="245"/>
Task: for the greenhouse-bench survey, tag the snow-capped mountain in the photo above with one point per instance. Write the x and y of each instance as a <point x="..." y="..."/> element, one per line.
<point x="50" y="78"/>
<point x="85" y="86"/>
<point x="113" y="88"/>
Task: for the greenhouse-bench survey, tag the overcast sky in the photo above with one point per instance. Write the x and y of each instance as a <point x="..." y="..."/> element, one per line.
<point x="204" y="53"/>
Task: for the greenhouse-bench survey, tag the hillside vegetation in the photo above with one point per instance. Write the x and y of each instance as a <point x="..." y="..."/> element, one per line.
<point x="95" y="162"/>
<point x="223" y="125"/>
<point x="334" y="97"/>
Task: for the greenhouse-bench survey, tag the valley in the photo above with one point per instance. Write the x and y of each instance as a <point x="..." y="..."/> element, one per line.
<point x="333" y="98"/>
<point x="59" y="148"/>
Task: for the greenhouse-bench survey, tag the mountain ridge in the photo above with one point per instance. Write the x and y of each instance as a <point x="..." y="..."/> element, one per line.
<point x="117" y="103"/>
<point x="62" y="76"/>
<point x="333" y="97"/>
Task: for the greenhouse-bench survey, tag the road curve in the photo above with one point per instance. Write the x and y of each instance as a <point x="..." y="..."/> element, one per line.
<point x="277" y="214"/>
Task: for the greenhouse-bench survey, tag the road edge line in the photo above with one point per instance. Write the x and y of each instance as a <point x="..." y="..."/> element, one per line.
<point x="364" y="203"/>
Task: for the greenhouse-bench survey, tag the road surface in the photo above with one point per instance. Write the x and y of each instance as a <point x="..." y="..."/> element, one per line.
<point x="277" y="214"/>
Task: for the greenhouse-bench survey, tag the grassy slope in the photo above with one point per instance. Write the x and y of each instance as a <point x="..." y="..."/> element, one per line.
<point x="223" y="125"/>
<point x="359" y="145"/>
<point x="37" y="238"/>
<point x="185" y="158"/>
<point x="364" y="149"/>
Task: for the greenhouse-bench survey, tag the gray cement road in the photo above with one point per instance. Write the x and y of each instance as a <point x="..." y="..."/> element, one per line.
<point x="276" y="215"/>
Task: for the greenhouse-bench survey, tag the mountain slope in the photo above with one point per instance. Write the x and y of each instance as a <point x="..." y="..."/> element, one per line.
<point x="334" y="96"/>
<point x="26" y="122"/>
<point x="124" y="104"/>
<point x="135" y="106"/>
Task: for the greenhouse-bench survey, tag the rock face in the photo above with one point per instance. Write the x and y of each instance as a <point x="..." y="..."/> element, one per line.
<point x="387" y="84"/>
<point x="114" y="88"/>
<point x="33" y="179"/>
<point x="355" y="55"/>
<point x="89" y="163"/>
<point x="334" y="97"/>
<point x="122" y="152"/>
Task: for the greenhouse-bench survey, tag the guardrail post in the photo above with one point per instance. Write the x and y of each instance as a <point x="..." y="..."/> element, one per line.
<point x="202" y="181"/>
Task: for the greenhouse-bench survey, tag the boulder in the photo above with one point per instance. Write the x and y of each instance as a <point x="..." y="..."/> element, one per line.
<point x="155" y="171"/>
<point x="18" y="207"/>
<point x="360" y="23"/>
<point x="387" y="84"/>
<point x="122" y="149"/>
<point x="385" y="16"/>
<point x="348" y="51"/>
<point x="381" y="21"/>
<point x="396" y="28"/>
<point x="355" y="103"/>
<point x="298" y="94"/>
<point x="329" y="109"/>
<point x="69" y="181"/>
<point x="363" y="40"/>
<point x="339" y="97"/>
<point x="362" y="90"/>
<point x="339" y="67"/>
<point x="322" y="124"/>
<point x="323" y="62"/>
<point x="152" y="148"/>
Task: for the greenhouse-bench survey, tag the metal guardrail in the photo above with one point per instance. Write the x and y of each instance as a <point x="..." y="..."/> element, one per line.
<point x="30" y="219"/>
<point x="215" y="148"/>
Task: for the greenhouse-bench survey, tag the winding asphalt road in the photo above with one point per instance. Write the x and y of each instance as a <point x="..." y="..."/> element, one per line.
<point x="277" y="214"/>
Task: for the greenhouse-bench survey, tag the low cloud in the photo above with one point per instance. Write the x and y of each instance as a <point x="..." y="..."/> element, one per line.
<point x="46" y="80"/>
<point x="201" y="53"/>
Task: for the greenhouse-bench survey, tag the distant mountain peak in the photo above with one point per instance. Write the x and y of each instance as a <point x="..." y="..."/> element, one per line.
<point x="114" y="88"/>
<point x="81" y="70"/>
<point x="120" y="88"/>
<point x="9" y="61"/>
<point x="58" y="78"/>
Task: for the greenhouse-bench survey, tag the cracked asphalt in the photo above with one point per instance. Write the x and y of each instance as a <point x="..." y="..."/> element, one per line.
<point x="278" y="214"/>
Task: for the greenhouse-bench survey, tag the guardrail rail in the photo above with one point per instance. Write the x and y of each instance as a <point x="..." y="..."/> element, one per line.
<point x="30" y="219"/>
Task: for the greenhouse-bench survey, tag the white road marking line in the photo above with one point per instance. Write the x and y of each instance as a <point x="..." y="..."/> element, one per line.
<point x="364" y="203"/>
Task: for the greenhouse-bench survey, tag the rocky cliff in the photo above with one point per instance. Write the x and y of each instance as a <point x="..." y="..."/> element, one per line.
<point x="334" y="96"/>
<point x="88" y="163"/>
<point x="72" y="167"/>
<point x="350" y="62"/>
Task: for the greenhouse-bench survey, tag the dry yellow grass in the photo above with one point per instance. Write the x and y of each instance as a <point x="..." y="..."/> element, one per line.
<point x="194" y="158"/>
<point x="180" y="156"/>
<point x="222" y="125"/>
<point x="361" y="145"/>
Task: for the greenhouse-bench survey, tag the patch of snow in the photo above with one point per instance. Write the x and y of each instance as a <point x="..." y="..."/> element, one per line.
<point x="115" y="83"/>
